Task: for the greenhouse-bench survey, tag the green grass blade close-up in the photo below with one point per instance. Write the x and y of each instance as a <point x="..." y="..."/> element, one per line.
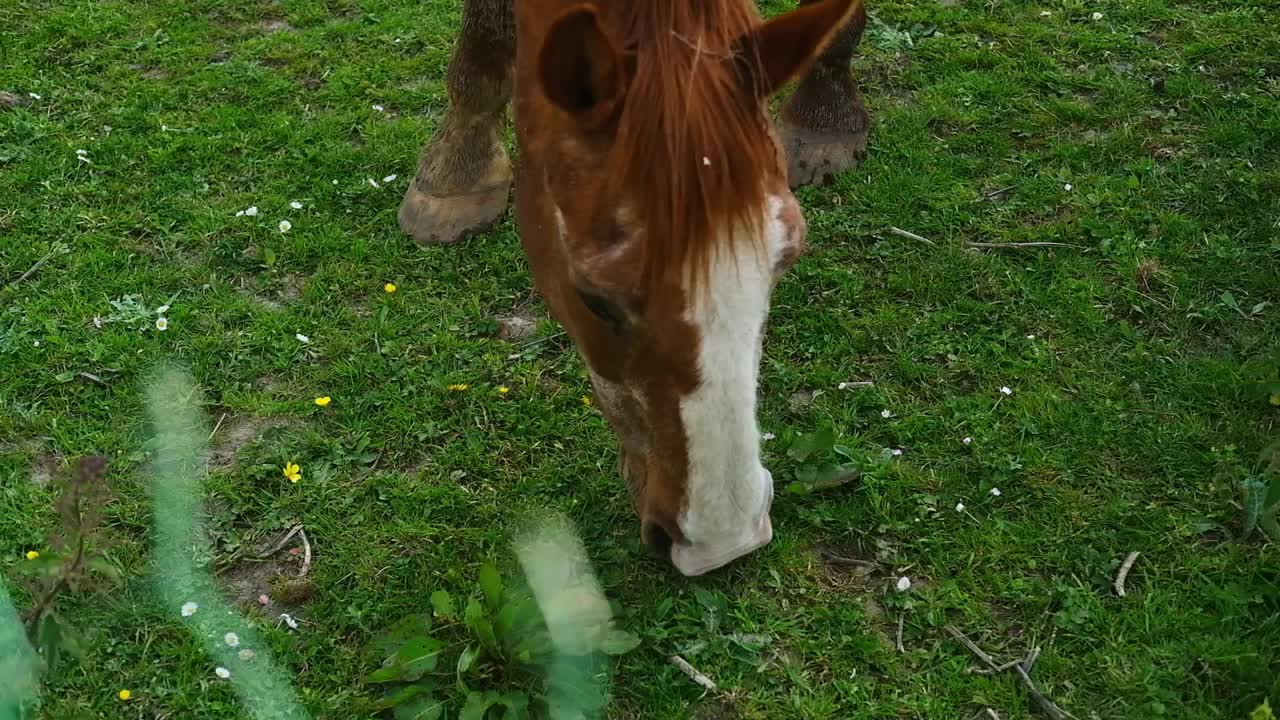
<point x="1036" y="331"/>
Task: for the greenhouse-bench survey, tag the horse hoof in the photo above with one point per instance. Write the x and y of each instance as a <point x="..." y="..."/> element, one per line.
<point x="446" y="219"/>
<point x="815" y="157"/>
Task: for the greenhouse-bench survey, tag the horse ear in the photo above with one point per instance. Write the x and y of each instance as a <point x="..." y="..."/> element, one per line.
<point x="579" y="67"/>
<point x="783" y="48"/>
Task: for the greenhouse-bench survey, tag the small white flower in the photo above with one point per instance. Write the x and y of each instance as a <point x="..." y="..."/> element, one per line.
<point x="379" y="108"/>
<point x="97" y="321"/>
<point x="252" y="211"/>
<point x="1031" y="337"/>
<point x="967" y="441"/>
<point x="390" y="178"/>
<point x="34" y="96"/>
<point x="373" y="182"/>
<point x="335" y="182"/>
<point x="293" y="624"/>
<point x="904" y="584"/>
<point x="162" y="323"/>
<point x="295" y="205"/>
<point x="302" y="338"/>
<point x="162" y="309"/>
<point x="1096" y="16"/>
<point x="246" y="654"/>
<point x="885" y="413"/>
<point x="35" y="344"/>
<point x="995" y="491"/>
<point x="82" y="152"/>
<point x="84" y="159"/>
<point x="896" y="451"/>
<point x="222" y="672"/>
<point x="189" y="609"/>
<point x="1067" y="187"/>
<point x="959" y="507"/>
<point x="768" y="436"/>
<point x="1005" y="390"/>
<point x="231" y="639"/>
<point x="285" y="226"/>
<point x="1045" y="13"/>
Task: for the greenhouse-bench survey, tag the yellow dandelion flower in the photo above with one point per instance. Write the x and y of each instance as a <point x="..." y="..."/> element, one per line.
<point x="124" y="694"/>
<point x="293" y="472"/>
<point x="32" y="554"/>
<point x="389" y="288"/>
<point x="323" y="400"/>
<point x="504" y="389"/>
<point x="458" y="387"/>
<point x="586" y="401"/>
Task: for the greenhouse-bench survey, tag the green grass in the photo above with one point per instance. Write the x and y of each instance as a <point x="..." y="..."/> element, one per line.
<point x="1133" y="400"/>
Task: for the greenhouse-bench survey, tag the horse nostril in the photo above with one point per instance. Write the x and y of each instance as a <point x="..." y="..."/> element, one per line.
<point x="657" y="538"/>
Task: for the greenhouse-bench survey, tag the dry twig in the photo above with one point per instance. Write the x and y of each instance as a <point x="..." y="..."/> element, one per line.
<point x="281" y="542"/>
<point x="306" y="553"/>
<point x="1045" y="704"/>
<point x="909" y="235"/>
<point x="983" y="245"/>
<point x="1001" y="246"/>
<point x="1124" y="572"/>
<point x="835" y="559"/>
<point x="218" y="427"/>
<point x="57" y="251"/>
<point x="693" y="674"/>
<point x="899" y="637"/>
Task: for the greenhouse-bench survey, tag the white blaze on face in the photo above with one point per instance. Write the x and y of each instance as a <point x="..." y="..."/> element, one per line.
<point x="729" y="491"/>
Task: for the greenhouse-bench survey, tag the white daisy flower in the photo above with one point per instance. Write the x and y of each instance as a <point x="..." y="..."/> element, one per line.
<point x="251" y="211"/>
<point x="379" y="108"/>
<point x="995" y="491"/>
<point x="162" y="323"/>
<point x="967" y="441"/>
<point x="222" y="672"/>
<point x="285" y="226"/>
<point x="34" y="96"/>
<point x="1045" y="13"/>
<point x="1096" y="16"/>
<point x="295" y="205"/>
<point x="1068" y="187"/>
<point x="904" y="584"/>
<point x="231" y="639"/>
<point x="959" y="507"/>
<point x="288" y="620"/>
<point x="246" y="654"/>
<point x="896" y="451"/>
<point x="302" y="338"/>
<point x="886" y="413"/>
<point x="1005" y="390"/>
<point x="189" y="609"/>
<point x="768" y="436"/>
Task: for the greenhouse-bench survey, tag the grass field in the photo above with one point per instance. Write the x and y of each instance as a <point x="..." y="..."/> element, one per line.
<point x="1144" y="134"/>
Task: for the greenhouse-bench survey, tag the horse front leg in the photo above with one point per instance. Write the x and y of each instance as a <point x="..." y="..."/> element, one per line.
<point x="464" y="174"/>
<point x="825" y="123"/>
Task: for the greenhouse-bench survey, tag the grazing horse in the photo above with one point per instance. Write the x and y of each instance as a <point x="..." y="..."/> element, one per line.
<point x="464" y="175"/>
<point x="653" y="205"/>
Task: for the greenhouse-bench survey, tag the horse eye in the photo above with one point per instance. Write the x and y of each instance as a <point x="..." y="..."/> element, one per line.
<point x="603" y="309"/>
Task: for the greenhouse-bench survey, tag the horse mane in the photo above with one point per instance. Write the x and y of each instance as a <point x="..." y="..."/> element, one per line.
<point x="691" y="138"/>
